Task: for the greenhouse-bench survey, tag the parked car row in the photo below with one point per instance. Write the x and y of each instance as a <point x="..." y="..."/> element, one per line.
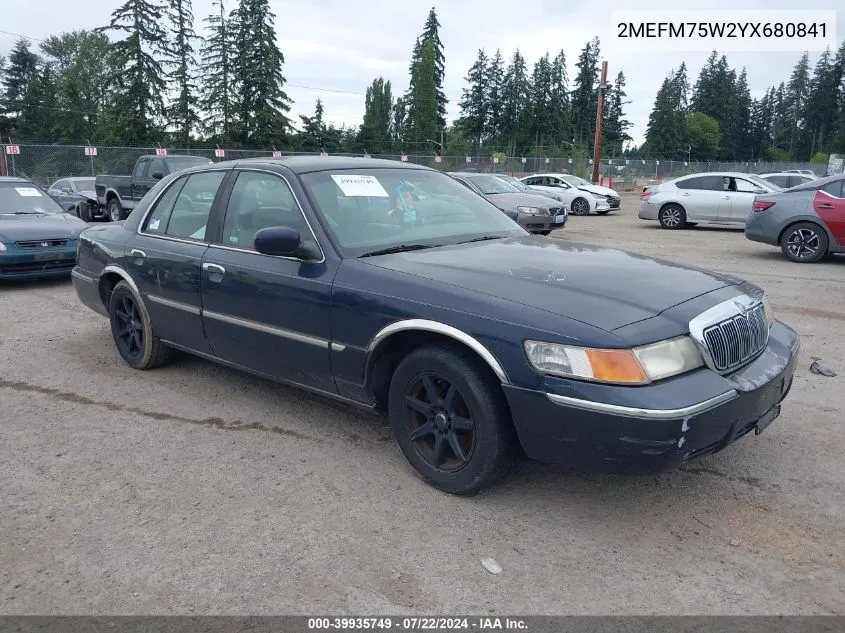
<point x="806" y="220"/>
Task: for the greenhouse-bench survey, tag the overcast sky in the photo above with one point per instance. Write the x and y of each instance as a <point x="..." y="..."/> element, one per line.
<point x="335" y="48"/>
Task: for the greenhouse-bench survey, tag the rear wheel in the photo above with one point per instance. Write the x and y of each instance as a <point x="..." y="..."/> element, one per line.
<point x="115" y="210"/>
<point x="451" y="420"/>
<point x="580" y="207"/>
<point x="804" y="243"/>
<point x="133" y="332"/>
<point x="672" y="216"/>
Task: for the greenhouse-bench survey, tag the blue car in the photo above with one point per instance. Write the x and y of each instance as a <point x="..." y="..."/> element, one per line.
<point x="37" y="237"/>
<point x="477" y="340"/>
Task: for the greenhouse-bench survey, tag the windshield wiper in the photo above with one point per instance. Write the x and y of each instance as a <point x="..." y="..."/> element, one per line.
<point x="483" y="238"/>
<point x="401" y="248"/>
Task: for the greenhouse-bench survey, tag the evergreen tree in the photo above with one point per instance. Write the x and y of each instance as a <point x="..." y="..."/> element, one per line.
<point x="666" y="132"/>
<point x="542" y="114"/>
<point x="137" y="82"/>
<point x="740" y="117"/>
<point x="781" y="126"/>
<point x="80" y="59"/>
<point x="218" y="57"/>
<point x="421" y="99"/>
<point x="561" y="124"/>
<point x="718" y="94"/>
<point x="474" y="105"/>
<point x="399" y="124"/>
<point x="584" y="93"/>
<point x="262" y="104"/>
<point x="375" y="132"/>
<point x="431" y="33"/>
<point x="516" y="120"/>
<point x="182" y="113"/>
<point x="616" y="126"/>
<point x="822" y="106"/>
<point x="4" y="120"/>
<point x="795" y="99"/>
<point x="19" y="77"/>
<point x="494" y="77"/>
<point x="313" y="129"/>
<point x="838" y="141"/>
<point x="762" y="119"/>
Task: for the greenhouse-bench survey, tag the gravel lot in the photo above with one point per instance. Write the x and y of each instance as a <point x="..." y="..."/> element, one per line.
<point x="197" y="489"/>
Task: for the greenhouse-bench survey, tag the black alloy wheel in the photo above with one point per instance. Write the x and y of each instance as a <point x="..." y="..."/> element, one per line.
<point x="804" y="243"/>
<point x="450" y="419"/>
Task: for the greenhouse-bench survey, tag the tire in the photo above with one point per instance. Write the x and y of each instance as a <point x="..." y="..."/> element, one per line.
<point x="139" y="347"/>
<point x="83" y="211"/>
<point x="580" y="207"/>
<point x="672" y="216"/>
<point x="463" y="391"/>
<point x="804" y="243"/>
<point x="544" y="232"/>
<point x="115" y="211"/>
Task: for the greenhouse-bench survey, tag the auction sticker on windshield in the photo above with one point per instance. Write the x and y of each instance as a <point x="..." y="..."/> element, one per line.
<point x="360" y="186"/>
<point x="28" y="192"/>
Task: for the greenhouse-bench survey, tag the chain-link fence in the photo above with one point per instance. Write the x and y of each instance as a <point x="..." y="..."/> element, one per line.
<point x="47" y="163"/>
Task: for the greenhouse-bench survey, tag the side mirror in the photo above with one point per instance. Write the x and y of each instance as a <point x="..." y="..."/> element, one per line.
<point x="157" y="175"/>
<point x="283" y="241"/>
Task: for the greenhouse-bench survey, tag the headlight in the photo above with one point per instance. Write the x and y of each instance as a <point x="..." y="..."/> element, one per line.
<point x="767" y="307"/>
<point x="2" y="247"/>
<point x="529" y="210"/>
<point x="637" y="366"/>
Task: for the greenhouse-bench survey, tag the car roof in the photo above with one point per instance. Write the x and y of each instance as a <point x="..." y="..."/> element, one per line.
<point x="783" y="173"/>
<point x="309" y="164"/>
<point x="732" y="174"/>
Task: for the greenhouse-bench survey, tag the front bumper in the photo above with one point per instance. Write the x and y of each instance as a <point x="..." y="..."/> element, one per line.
<point x="18" y="263"/>
<point x="644" y="430"/>
<point x="536" y="223"/>
<point x="614" y="203"/>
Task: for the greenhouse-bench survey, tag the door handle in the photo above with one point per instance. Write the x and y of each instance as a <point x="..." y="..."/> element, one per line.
<point x="825" y="206"/>
<point x="138" y="253"/>
<point x="726" y="197"/>
<point x="214" y="268"/>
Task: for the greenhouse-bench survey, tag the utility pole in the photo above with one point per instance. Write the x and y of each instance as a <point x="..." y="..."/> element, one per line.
<point x="599" y="123"/>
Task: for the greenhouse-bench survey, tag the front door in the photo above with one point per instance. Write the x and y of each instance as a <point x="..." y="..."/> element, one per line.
<point x="742" y="196"/>
<point x="165" y="258"/>
<point x="145" y="181"/>
<point x="270" y="314"/>
<point x="829" y="204"/>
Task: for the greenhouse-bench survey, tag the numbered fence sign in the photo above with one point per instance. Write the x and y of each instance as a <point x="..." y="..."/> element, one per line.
<point x="90" y="151"/>
<point x="404" y="158"/>
<point x="367" y="156"/>
<point x="13" y="149"/>
<point x="547" y="161"/>
<point x="469" y="160"/>
<point x="219" y="153"/>
<point x="324" y="154"/>
<point x="438" y="159"/>
<point x="496" y="159"/>
<point x="524" y="160"/>
<point x="160" y="151"/>
<point x="570" y="161"/>
<point x="277" y="154"/>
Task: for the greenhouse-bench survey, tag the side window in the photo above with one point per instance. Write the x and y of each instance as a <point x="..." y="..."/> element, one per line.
<point x="780" y="181"/>
<point x="834" y="188"/>
<point x="744" y="186"/>
<point x="141" y="168"/>
<point x="531" y="182"/>
<point x="192" y="207"/>
<point x="58" y="186"/>
<point x="157" y="165"/>
<point x="259" y="201"/>
<point x="691" y="183"/>
<point x="156" y="223"/>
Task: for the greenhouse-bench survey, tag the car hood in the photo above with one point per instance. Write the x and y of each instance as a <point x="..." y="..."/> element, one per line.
<point x="511" y="201"/>
<point x="602" y="191"/>
<point x="603" y="287"/>
<point x="15" y="228"/>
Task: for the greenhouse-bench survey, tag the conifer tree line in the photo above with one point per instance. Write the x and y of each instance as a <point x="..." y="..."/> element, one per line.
<point x="800" y="119"/>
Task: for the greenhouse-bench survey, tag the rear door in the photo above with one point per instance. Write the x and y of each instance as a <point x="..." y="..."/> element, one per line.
<point x="829" y="204"/>
<point x="701" y="197"/>
<point x="165" y="257"/>
<point x="265" y="313"/>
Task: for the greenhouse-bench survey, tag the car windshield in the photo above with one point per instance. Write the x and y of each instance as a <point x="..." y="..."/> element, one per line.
<point x="371" y="210"/>
<point x="83" y="184"/>
<point x="516" y="183"/>
<point x="491" y="184"/>
<point x="578" y="182"/>
<point x="25" y="198"/>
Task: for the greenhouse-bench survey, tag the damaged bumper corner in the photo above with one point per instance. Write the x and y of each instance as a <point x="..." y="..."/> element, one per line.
<point x="643" y="430"/>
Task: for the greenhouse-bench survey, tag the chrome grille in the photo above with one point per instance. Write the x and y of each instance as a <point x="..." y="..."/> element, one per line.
<point x="735" y="340"/>
<point x="56" y="243"/>
<point x="555" y="211"/>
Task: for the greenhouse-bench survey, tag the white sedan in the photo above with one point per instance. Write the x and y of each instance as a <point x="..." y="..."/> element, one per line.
<point x="578" y="201"/>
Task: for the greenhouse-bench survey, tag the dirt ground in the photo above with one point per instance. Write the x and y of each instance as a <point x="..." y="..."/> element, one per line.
<point x="197" y="489"/>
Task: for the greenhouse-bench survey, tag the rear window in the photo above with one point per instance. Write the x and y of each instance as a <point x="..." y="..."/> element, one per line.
<point x="820" y="183"/>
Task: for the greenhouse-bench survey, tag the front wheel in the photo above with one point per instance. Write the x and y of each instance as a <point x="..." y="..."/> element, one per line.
<point x="804" y="243"/>
<point x="133" y="332"/>
<point x="580" y="207"/>
<point x="672" y="216"/>
<point x="451" y="420"/>
<point x="83" y="211"/>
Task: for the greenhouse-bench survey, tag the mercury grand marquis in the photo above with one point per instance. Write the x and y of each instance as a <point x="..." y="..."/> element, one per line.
<point x="392" y="287"/>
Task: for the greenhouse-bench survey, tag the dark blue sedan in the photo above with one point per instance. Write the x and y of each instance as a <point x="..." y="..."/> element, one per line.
<point x="392" y="287"/>
<point x="37" y="237"/>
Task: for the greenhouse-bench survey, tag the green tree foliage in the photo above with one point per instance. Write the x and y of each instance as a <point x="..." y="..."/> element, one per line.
<point x="431" y="33"/>
<point x="313" y="129"/>
<point x="262" y="104"/>
<point x="421" y="99"/>
<point x="137" y="84"/>
<point x="183" y="111"/>
<point x="375" y="132"/>
<point x="475" y="102"/>
<point x="666" y="131"/>
<point x="19" y="77"/>
<point x="584" y="93"/>
<point x="516" y="106"/>
<point x="494" y="79"/>
<point x="216" y="69"/>
<point x="703" y="136"/>
<point x="616" y="126"/>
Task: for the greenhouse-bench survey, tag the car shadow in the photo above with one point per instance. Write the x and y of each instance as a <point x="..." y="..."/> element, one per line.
<point x="25" y="285"/>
